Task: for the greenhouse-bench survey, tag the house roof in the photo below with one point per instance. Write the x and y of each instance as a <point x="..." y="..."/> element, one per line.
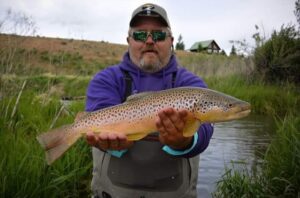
<point x="204" y="44"/>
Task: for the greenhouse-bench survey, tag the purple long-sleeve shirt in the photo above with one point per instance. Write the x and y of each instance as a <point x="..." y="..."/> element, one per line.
<point x="107" y="88"/>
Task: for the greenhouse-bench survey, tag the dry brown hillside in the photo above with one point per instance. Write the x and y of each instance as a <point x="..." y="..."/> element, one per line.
<point x="56" y="54"/>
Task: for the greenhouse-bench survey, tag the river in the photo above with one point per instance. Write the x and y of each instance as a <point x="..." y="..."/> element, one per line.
<point x="232" y="143"/>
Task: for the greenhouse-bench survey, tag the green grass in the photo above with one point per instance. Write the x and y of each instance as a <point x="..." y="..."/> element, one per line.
<point x="282" y="166"/>
<point x="211" y="65"/>
<point x="23" y="170"/>
<point x="54" y="85"/>
<point x="279" y="175"/>
<point x="239" y="184"/>
<point x="264" y="98"/>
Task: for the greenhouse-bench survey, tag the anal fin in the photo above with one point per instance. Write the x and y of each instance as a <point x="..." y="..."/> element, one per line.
<point x="136" y="136"/>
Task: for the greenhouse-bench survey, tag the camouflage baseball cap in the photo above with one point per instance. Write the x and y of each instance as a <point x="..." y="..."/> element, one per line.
<point x="152" y="10"/>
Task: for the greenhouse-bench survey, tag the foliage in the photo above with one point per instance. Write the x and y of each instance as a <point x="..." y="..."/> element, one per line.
<point x="223" y="52"/>
<point x="297" y="11"/>
<point x="264" y="99"/>
<point x="233" y="51"/>
<point x="238" y="184"/>
<point x="278" y="59"/>
<point x="200" y="48"/>
<point x="180" y="44"/>
<point x="17" y="23"/>
<point x="23" y="171"/>
<point x="282" y="166"/>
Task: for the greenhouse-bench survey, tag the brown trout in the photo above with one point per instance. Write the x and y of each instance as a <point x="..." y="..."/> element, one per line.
<point x="136" y="117"/>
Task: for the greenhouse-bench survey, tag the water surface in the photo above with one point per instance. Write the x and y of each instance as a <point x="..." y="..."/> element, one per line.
<point x="241" y="142"/>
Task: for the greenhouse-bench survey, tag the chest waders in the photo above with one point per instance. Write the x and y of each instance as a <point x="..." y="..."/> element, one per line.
<point x="145" y="170"/>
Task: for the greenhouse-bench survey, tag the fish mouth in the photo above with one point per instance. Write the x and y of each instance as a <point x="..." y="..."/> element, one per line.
<point x="241" y="111"/>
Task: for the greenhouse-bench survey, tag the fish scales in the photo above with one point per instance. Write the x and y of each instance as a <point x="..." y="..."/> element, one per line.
<point x="136" y="117"/>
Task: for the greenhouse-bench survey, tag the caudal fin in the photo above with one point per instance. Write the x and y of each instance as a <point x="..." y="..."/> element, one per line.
<point x="57" y="141"/>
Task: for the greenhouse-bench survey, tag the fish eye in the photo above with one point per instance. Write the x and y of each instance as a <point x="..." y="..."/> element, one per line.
<point x="230" y="105"/>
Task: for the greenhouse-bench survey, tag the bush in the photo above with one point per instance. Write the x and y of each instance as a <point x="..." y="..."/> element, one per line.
<point x="278" y="59"/>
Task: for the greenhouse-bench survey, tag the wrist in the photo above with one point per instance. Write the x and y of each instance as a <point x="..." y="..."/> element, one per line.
<point x="175" y="152"/>
<point x="187" y="143"/>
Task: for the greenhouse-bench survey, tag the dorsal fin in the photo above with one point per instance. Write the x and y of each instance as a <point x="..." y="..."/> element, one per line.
<point x="138" y="96"/>
<point x="80" y="115"/>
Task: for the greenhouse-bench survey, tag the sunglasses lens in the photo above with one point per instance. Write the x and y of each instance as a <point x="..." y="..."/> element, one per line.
<point x="159" y="36"/>
<point x="143" y="35"/>
<point x="140" y="36"/>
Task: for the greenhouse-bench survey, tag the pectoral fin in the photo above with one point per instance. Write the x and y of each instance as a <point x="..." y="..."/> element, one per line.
<point x="80" y="115"/>
<point x="191" y="127"/>
<point x="136" y="136"/>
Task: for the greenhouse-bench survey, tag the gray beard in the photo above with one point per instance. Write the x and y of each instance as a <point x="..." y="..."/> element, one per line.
<point x="150" y="68"/>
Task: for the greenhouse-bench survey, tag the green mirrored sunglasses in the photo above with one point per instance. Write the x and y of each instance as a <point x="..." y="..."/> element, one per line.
<point x="143" y="35"/>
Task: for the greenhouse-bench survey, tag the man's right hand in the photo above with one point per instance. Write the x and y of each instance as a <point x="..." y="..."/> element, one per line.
<point x="108" y="141"/>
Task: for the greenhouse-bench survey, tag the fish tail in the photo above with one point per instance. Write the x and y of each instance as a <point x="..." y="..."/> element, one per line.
<point x="57" y="141"/>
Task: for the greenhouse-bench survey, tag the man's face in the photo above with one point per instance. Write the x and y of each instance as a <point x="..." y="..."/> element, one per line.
<point x="150" y="56"/>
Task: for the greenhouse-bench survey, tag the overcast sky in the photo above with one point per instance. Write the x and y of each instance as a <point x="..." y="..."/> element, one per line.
<point x="195" y="20"/>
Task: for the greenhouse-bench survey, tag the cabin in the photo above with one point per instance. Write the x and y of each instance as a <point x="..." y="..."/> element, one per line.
<point x="210" y="46"/>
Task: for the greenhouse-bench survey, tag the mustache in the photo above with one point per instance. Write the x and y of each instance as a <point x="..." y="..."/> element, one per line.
<point x="149" y="50"/>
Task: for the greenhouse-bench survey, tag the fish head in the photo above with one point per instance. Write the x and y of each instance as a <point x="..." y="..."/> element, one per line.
<point x="214" y="107"/>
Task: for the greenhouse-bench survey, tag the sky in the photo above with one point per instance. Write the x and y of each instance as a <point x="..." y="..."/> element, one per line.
<point x="195" y="20"/>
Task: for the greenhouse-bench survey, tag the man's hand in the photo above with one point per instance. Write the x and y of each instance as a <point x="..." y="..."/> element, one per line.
<point x="108" y="141"/>
<point x="170" y="124"/>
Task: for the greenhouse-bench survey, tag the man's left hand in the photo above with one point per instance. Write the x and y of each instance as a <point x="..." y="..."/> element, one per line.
<point x="170" y="125"/>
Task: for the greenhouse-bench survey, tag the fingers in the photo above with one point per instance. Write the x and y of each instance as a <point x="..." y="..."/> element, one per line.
<point x="171" y="121"/>
<point x="107" y="141"/>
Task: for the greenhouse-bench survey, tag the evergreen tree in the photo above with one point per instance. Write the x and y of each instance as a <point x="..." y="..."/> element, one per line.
<point x="233" y="51"/>
<point x="179" y="44"/>
<point x="223" y="52"/>
<point x="200" y="48"/>
<point x="297" y="11"/>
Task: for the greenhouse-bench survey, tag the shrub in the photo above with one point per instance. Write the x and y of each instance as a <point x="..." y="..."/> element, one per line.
<point x="277" y="60"/>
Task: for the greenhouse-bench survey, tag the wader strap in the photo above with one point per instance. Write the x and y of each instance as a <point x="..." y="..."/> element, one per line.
<point x="128" y="84"/>
<point x="174" y="79"/>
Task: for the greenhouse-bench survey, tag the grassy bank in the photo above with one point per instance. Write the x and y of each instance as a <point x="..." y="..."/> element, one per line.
<point x="23" y="171"/>
<point x="264" y="98"/>
<point x="279" y="175"/>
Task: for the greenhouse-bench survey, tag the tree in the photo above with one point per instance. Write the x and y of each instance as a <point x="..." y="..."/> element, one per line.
<point x="233" y="51"/>
<point x="223" y="52"/>
<point x="179" y="44"/>
<point x="297" y="11"/>
<point x="14" y="23"/>
<point x="200" y="48"/>
<point x="277" y="60"/>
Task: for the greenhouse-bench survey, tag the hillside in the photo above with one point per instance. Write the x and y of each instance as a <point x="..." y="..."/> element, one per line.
<point x="37" y="55"/>
<point x="56" y="55"/>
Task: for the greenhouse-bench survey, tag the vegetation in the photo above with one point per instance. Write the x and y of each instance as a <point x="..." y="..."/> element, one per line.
<point x="23" y="172"/>
<point x="216" y="65"/>
<point x="279" y="175"/>
<point x="233" y="51"/>
<point x="180" y="43"/>
<point x="277" y="60"/>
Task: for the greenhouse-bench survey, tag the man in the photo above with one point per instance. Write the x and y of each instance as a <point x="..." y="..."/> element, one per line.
<point x="164" y="164"/>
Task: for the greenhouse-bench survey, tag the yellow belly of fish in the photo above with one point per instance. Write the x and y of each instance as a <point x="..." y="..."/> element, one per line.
<point x="133" y="129"/>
